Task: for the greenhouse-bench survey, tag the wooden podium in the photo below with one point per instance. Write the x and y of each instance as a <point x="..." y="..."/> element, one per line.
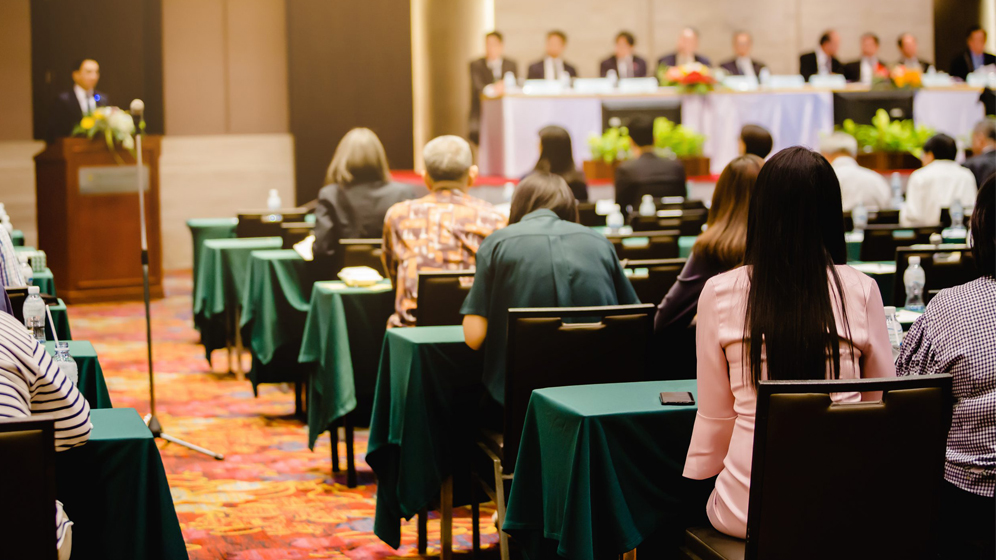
<point x="88" y="219"/>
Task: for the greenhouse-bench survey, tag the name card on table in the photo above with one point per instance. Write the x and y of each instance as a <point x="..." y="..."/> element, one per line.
<point x="741" y="83"/>
<point x="638" y="85"/>
<point x="939" y="79"/>
<point x="786" y="81"/>
<point x="829" y="81"/>
<point x="111" y="179"/>
<point x="593" y="85"/>
<point x="543" y="87"/>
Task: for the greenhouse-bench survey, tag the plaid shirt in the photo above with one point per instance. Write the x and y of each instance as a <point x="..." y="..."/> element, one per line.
<point x="441" y="231"/>
<point x="957" y="335"/>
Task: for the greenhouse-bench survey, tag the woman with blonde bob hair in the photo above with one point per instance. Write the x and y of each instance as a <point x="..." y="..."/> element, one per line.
<point x="357" y="195"/>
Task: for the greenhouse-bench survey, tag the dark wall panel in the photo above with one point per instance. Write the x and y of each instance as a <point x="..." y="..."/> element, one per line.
<point x="952" y="18"/>
<point x="124" y="36"/>
<point x="349" y="65"/>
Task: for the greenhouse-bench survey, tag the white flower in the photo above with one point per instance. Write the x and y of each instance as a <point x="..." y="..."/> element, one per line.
<point x="121" y="123"/>
<point x="128" y="143"/>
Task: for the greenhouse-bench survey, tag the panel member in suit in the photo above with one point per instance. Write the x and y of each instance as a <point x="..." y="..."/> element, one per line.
<point x="983" y="163"/>
<point x="553" y="66"/>
<point x="647" y="173"/>
<point x="70" y="106"/>
<point x="865" y="70"/>
<point x="974" y="56"/>
<point x="624" y="62"/>
<point x="908" y="56"/>
<point x="823" y="60"/>
<point x="486" y="71"/>
<point x="742" y="64"/>
<point x="688" y="45"/>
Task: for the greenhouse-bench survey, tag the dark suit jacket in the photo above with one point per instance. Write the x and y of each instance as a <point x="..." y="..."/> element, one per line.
<point x="65" y="113"/>
<point x="982" y="166"/>
<point x="808" y="65"/>
<point x="481" y="76"/>
<point x="924" y="66"/>
<point x="671" y="59"/>
<point x="961" y="65"/>
<point x="639" y="67"/>
<point x="648" y="174"/>
<point x="536" y="70"/>
<point x="732" y="69"/>
<point x="852" y="70"/>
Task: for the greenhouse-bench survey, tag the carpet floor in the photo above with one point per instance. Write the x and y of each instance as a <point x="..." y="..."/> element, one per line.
<point x="271" y="498"/>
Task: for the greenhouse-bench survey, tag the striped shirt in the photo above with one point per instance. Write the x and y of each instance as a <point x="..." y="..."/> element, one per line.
<point x="10" y="274"/>
<point x="31" y="384"/>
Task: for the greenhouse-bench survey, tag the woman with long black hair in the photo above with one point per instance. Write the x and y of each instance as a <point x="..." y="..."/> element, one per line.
<point x="817" y="317"/>
<point x="557" y="157"/>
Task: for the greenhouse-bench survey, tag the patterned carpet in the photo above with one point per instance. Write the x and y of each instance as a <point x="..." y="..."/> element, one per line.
<point x="271" y="498"/>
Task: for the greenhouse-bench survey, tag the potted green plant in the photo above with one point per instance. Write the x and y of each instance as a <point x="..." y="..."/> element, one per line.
<point x="607" y="151"/>
<point x="675" y="140"/>
<point x="887" y="145"/>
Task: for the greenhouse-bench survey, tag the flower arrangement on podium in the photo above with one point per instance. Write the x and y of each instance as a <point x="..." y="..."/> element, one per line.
<point x="689" y="78"/>
<point x="906" y="78"/>
<point x="114" y="125"/>
<point x="886" y="144"/>
<point x="670" y="140"/>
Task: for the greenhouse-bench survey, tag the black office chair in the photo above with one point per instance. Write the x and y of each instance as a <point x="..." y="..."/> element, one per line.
<point x="660" y="275"/>
<point x="362" y="252"/>
<point x="587" y="215"/>
<point x="648" y="245"/>
<point x="831" y="481"/>
<point x="942" y="268"/>
<point x="440" y="296"/>
<point x="258" y="223"/>
<point x="881" y="241"/>
<point x="27" y="488"/>
<point x="295" y="232"/>
<point x="546" y="349"/>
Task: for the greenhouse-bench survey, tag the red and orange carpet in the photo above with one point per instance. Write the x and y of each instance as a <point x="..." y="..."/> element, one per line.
<point x="271" y="498"/>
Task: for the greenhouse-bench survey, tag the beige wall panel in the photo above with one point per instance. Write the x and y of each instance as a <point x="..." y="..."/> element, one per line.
<point x="17" y="185"/>
<point x="15" y="67"/>
<point x="194" y="77"/>
<point x="257" y="66"/>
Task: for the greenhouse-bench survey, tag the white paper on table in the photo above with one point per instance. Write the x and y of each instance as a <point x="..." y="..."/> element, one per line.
<point x="906" y="316"/>
<point x="875" y="268"/>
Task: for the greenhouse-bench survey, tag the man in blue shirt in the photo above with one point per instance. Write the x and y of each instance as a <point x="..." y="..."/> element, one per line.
<point x="974" y="56"/>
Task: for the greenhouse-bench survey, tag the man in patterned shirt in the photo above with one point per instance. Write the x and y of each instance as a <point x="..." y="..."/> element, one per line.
<point x="957" y="335"/>
<point x="441" y="231"/>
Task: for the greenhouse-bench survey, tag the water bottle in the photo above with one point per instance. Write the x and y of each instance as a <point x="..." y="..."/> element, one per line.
<point x="509" y="79"/>
<point x="936" y="239"/>
<point x="34" y="314"/>
<point x="615" y="220"/>
<point x="764" y="77"/>
<point x="66" y="362"/>
<point x="647" y="206"/>
<point x="27" y="273"/>
<point x="914" y="278"/>
<point x="273" y="204"/>
<point x="613" y="77"/>
<point x="957" y="213"/>
<point x="897" y="191"/>
<point x="859" y="215"/>
<point x="509" y="190"/>
<point x="895" y="330"/>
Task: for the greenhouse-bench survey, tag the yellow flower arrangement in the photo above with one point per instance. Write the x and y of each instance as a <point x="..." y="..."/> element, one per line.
<point x="903" y="77"/>
<point x="87" y="123"/>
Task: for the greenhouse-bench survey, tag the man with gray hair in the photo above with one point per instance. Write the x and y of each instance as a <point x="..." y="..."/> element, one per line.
<point x="983" y="163"/>
<point x="857" y="184"/>
<point x="441" y="231"/>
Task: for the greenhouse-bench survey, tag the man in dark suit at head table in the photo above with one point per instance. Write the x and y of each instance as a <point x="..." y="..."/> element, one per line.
<point x="983" y="163"/>
<point x="742" y="64"/>
<point x="974" y="56"/>
<point x="865" y="69"/>
<point x="486" y="71"/>
<point x="688" y="44"/>
<point x="647" y="173"/>
<point x="624" y="62"/>
<point x="908" y="54"/>
<point x="69" y="107"/>
<point x="553" y="66"/>
<point x="823" y="60"/>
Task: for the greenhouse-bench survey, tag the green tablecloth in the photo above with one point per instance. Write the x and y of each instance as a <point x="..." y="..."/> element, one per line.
<point x="685" y="243"/>
<point x="91" y="376"/>
<point x="61" y="318"/>
<point x="342" y="337"/>
<point x="422" y="426"/>
<point x="274" y="309"/>
<point x="17" y="238"/>
<point x="220" y="284"/>
<point x="202" y="229"/>
<point x="19" y="248"/>
<point x="599" y="468"/>
<point x="115" y="490"/>
<point x="45" y="281"/>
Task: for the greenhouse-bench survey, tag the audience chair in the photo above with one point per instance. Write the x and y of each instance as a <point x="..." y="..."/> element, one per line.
<point x="945" y="267"/>
<point x="875" y="217"/>
<point x="587" y="215"/>
<point x="688" y="222"/>
<point x="440" y="296"/>
<point x="294" y="232"/>
<point x="362" y="252"/>
<point x="651" y="279"/>
<point x="646" y="245"/>
<point x="27" y="488"/>
<point x="832" y="481"/>
<point x="881" y="241"/>
<point x="558" y="347"/>
<point x="257" y="223"/>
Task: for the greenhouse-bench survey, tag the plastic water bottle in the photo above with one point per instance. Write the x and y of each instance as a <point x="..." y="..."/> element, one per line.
<point x="613" y="77"/>
<point x="914" y="278"/>
<point x="34" y="314"/>
<point x="957" y="213"/>
<point x="859" y="215"/>
<point x="764" y="77"/>
<point x="936" y="239"/>
<point x="897" y="191"/>
<point x="27" y="273"/>
<point x="66" y="362"/>
<point x="508" y="191"/>
<point x="274" y="204"/>
<point x="895" y="330"/>
<point x="509" y="80"/>
<point x="615" y="220"/>
<point x="647" y="206"/>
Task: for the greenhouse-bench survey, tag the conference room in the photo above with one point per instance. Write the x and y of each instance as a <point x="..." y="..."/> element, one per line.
<point x="560" y="279"/>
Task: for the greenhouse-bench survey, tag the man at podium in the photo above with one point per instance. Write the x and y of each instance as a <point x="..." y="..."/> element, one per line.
<point x="71" y="106"/>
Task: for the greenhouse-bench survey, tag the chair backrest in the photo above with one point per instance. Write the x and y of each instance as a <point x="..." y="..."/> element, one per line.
<point x="651" y="279"/>
<point x="942" y="268"/>
<point x="258" y="223"/>
<point x="881" y="241"/>
<point x="646" y="245"/>
<point x="587" y="215"/>
<point x="295" y="232"/>
<point x="27" y="488"/>
<point x="362" y="252"/>
<point x="440" y="296"/>
<point x="686" y="221"/>
<point x="844" y="480"/>
<point x="875" y="217"/>
<point x="552" y="348"/>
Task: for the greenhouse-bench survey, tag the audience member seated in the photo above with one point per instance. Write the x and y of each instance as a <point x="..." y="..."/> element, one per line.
<point x="818" y="318"/>
<point x="718" y="249"/>
<point x="742" y="64"/>
<point x="687" y="53"/>
<point x="869" y="66"/>
<point x="356" y="197"/>
<point x="31" y="384"/>
<point x="553" y="66"/>
<point x="974" y="56"/>
<point x="487" y="71"/>
<point x="755" y="140"/>
<point x="937" y="184"/>
<point x="646" y="173"/>
<point x="10" y="274"/>
<point x="955" y="335"/>
<point x="858" y="185"/>
<point x="822" y="61"/>
<point x="440" y="231"/>
<point x="908" y="54"/>
<point x="542" y="259"/>
<point x="624" y="62"/>
<point x="557" y="157"/>
<point x="983" y="163"/>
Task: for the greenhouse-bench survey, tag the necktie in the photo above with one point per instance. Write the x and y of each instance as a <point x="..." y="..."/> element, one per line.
<point x="90" y="103"/>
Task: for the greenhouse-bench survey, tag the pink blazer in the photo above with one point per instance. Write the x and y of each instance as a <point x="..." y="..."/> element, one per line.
<point x="723" y="437"/>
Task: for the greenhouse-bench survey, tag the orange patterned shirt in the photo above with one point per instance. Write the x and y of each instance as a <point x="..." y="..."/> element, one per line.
<point x="441" y="231"/>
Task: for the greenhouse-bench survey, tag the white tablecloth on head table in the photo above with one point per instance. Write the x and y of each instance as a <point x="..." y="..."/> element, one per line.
<point x="953" y="112"/>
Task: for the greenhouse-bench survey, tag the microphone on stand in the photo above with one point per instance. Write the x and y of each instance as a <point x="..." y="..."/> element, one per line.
<point x="138" y="113"/>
